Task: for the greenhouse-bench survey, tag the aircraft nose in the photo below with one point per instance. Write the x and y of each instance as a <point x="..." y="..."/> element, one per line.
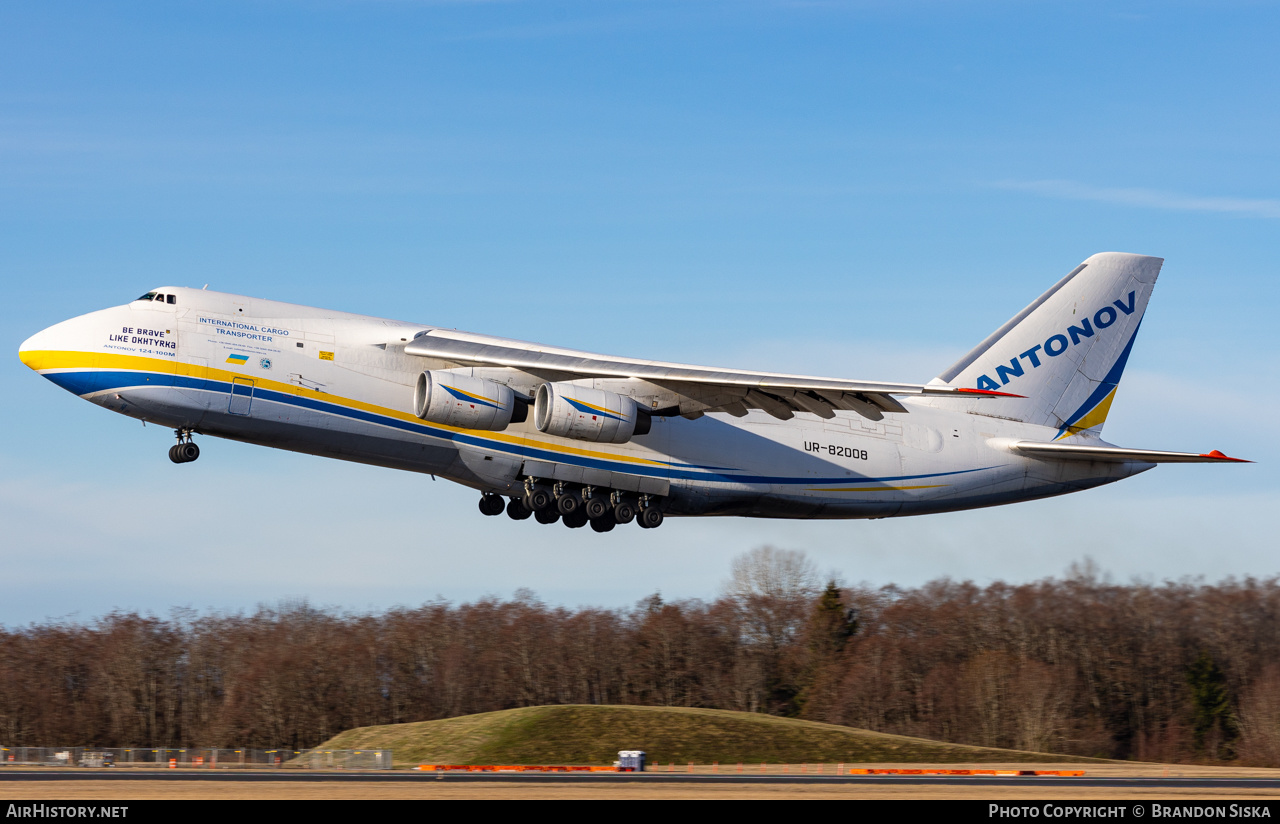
<point x="36" y="350"/>
<point x="29" y="351"/>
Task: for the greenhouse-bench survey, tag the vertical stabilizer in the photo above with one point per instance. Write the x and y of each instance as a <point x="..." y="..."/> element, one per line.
<point x="1067" y="350"/>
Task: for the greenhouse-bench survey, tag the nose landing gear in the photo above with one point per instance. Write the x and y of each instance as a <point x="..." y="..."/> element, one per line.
<point x="185" y="450"/>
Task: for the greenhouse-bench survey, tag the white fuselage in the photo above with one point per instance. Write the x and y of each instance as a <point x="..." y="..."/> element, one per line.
<point x="340" y="385"/>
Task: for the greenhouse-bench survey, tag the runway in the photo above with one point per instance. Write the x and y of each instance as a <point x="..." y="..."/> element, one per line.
<point x="1045" y="783"/>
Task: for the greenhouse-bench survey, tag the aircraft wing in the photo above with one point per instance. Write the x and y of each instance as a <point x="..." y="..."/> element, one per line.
<point x="1080" y="452"/>
<point x="778" y="394"/>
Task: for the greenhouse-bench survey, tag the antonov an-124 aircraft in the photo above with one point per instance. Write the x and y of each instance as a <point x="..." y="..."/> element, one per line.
<point x="583" y="438"/>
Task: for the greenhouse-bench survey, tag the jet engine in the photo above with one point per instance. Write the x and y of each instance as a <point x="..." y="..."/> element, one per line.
<point x="584" y="414"/>
<point x="465" y="402"/>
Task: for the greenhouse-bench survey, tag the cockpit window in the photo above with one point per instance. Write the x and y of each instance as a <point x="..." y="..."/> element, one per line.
<point x="171" y="298"/>
<point x="148" y="296"/>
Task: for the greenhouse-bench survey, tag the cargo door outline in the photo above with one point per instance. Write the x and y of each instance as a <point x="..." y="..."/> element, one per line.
<point x="241" y="396"/>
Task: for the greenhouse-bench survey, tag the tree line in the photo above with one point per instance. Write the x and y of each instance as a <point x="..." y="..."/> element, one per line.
<point x="1178" y="671"/>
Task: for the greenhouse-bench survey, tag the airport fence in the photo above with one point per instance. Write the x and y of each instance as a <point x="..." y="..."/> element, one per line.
<point x="192" y="758"/>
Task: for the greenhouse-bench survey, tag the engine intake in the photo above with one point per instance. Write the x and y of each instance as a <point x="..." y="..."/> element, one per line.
<point x="465" y="402"/>
<point x="570" y="411"/>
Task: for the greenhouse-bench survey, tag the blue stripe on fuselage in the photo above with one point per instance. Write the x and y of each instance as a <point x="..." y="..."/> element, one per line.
<point x="108" y="380"/>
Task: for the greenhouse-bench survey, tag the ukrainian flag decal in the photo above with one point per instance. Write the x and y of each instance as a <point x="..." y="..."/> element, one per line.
<point x="238" y="360"/>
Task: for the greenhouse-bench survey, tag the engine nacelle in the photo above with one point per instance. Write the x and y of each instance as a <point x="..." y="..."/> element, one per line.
<point x="463" y="401"/>
<point x="570" y="411"/>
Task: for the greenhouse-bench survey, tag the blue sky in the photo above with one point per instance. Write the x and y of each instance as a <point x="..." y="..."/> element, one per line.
<point x="861" y="189"/>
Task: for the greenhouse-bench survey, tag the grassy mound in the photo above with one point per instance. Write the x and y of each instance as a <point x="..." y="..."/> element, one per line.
<point x="588" y="734"/>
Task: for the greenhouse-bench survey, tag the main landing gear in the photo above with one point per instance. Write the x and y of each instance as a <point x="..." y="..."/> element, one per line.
<point x="185" y="450"/>
<point x="576" y="507"/>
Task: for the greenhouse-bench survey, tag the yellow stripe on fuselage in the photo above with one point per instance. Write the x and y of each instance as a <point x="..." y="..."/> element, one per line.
<point x="48" y="360"/>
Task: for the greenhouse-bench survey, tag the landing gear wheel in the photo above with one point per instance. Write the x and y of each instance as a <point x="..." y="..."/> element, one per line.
<point x="596" y="508"/>
<point x="517" y="511"/>
<point x="602" y="524"/>
<point x="568" y="503"/>
<point x="185" y="450"/>
<point x="546" y="516"/>
<point x="576" y="519"/>
<point x="624" y="512"/>
<point x="491" y="505"/>
<point x="650" y="517"/>
<point x="537" y="500"/>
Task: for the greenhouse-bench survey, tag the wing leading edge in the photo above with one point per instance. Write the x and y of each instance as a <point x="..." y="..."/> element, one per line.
<point x="778" y="394"/>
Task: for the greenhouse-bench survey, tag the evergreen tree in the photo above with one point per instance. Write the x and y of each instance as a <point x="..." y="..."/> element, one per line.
<point x="1211" y="707"/>
<point x="831" y="625"/>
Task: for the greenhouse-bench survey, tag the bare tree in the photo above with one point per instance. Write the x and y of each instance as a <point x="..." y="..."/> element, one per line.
<point x="773" y="590"/>
<point x="1080" y="665"/>
<point x="1260" y="719"/>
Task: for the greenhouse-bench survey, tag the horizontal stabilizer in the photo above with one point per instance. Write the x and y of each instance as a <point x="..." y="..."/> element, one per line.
<point x="1075" y="452"/>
